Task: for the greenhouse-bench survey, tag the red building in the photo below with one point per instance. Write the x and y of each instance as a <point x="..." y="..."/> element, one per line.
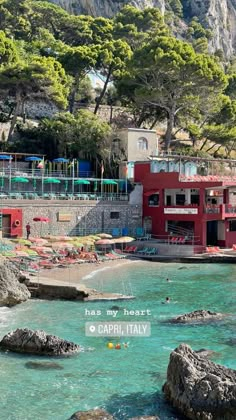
<point x="201" y="209"/>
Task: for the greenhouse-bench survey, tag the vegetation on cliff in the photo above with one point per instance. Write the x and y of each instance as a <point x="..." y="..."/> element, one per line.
<point x="47" y="53"/>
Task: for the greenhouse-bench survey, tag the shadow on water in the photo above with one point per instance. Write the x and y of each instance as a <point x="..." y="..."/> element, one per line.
<point x="139" y="404"/>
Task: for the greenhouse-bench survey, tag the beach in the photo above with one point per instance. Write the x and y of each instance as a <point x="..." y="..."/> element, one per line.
<point x="78" y="274"/>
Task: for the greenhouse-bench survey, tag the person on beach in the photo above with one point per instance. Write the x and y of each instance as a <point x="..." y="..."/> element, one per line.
<point x="28" y="230"/>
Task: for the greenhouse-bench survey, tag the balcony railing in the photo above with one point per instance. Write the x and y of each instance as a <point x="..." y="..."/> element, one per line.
<point x="213" y="209"/>
<point x="64" y="196"/>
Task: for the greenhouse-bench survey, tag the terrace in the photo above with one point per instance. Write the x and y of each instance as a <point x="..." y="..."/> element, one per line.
<point x="34" y="179"/>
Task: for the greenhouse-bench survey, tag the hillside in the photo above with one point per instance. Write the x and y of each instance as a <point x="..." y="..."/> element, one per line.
<point x="217" y="15"/>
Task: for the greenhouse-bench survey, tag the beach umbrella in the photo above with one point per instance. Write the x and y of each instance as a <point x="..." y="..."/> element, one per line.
<point x="81" y="182"/>
<point x="104" y="235"/>
<point x="109" y="182"/>
<point x="105" y="242"/>
<point x="51" y="181"/>
<point x="20" y="179"/>
<point x="124" y="240"/>
<point x="23" y="241"/>
<point x="5" y="157"/>
<point x="33" y="159"/>
<point x="39" y="241"/>
<point x="60" y="160"/>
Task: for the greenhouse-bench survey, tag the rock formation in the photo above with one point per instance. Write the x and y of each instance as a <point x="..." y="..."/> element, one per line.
<point x="105" y="8"/>
<point x="97" y="414"/>
<point x="199" y="388"/>
<point x="11" y="290"/>
<point x="217" y="15"/>
<point x="37" y="342"/>
<point x="199" y="315"/>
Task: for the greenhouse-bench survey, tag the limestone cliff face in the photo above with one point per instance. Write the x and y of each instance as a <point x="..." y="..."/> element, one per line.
<point x="220" y="16"/>
<point x="217" y="15"/>
<point x="106" y="8"/>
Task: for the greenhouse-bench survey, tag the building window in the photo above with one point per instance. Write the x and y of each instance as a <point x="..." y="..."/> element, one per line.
<point x="153" y="200"/>
<point x="114" y="215"/>
<point x="142" y="143"/>
<point x="232" y="225"/>
<point x="180" y="199"/>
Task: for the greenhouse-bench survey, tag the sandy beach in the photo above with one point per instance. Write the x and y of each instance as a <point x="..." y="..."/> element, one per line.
<point x="76" y="274"/>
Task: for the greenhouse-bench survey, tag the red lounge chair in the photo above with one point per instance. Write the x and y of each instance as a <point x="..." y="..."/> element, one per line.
<point x="234" y="247"/>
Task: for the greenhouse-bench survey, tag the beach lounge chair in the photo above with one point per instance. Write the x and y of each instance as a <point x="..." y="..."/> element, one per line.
<point x="133" y="249"/>
<point x="142" y="251"/>
<point x="125" y="231"/>
<point x="213" y="249"/>
<point x="116" y="232"/>
<point x="139" y="232"/>
<point x="152" y="251"/>
<point x="234" y="247"/>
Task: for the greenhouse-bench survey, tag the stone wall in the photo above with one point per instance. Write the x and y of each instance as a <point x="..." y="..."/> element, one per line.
<point x="86" y="216"/>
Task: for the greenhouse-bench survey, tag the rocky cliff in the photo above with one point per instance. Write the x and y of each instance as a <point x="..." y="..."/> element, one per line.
<point x="217" y="15"/>
<point x="12" y="291"/>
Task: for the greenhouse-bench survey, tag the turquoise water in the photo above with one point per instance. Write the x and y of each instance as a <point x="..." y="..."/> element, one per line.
<point x="126" y="382"/>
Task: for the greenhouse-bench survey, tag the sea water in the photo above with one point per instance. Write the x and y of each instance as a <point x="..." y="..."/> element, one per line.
<point x="126" y="382"/>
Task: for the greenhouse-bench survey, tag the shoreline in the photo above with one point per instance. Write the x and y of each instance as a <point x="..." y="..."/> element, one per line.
<point x="79" y="274"/>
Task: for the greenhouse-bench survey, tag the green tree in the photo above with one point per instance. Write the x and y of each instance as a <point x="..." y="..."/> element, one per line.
<point x="82" y="135"/>
<point x="8" y="51"/>
<point x="137" y="26"/>
<point x="42" y="77"/>
<point x="168" y="74"/>
<point x="78" y="61"/>
<point x="111" y="63"/>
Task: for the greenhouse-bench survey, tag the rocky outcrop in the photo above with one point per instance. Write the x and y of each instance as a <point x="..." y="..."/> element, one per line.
<point x="106" y="8"/>
<point x="217" y="15"/>
<point x="12" y="291"/>
<point x="145" y="418"/>
<point x="199" y="388"/>
<point x="37" y="342"/>
<point x="196" y="316"/>
<point x="97" y="414"/>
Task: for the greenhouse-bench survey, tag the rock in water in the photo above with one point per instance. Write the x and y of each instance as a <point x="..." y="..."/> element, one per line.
<point x="145" y="418"/>
<point x="97" y="414"/>
<point x="37" y="342"/>
<point x="11" y="290"/>
<point x="43" y="366"/>
<point x="199" y="388"/>
<point x="199" y="315"/>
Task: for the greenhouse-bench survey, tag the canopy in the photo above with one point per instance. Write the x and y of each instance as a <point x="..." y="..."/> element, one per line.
<point x="148" y="193"/>
<point x="109" y="182"/>
<point x="19" y="179"/>
<point x="81" y="182"/>
<point x="5" y="157"/>
<point x="33" y="159"/>
<point x="51" y="181"/>
<point x="60" y="160"/>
